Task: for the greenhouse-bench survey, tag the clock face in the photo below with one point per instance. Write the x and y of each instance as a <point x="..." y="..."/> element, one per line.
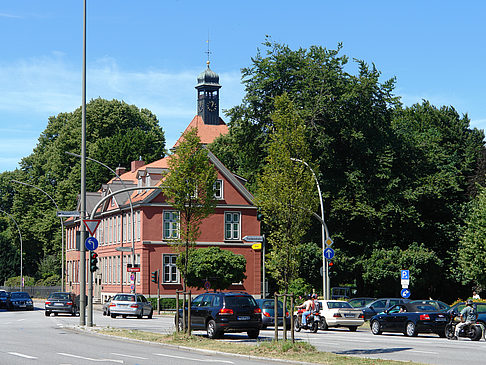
<point x="212" y="106"/>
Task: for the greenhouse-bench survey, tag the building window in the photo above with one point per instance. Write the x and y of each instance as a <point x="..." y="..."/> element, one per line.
<point x="171" y="225"/>
<point x="171" y="274"/>
<point x="218" y="189"/>
<point x="232" y="225"/>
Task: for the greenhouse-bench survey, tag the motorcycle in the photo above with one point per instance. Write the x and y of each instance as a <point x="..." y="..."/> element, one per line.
<point x="473" y="331"/>
<point x="312" y="324"/>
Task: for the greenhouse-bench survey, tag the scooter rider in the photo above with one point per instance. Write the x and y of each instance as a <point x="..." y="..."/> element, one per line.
<point x="468" y="317"/>
<point x="308" y="305"/>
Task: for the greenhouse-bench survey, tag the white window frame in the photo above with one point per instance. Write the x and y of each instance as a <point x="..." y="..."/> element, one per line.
<point x="174" y="224"/>
<point x="235" y="226"/>
<point x="221" y="194"/>
<point x="171" y="266"/>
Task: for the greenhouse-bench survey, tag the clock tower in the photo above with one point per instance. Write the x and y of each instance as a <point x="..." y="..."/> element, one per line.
<point x="208" y="96"/>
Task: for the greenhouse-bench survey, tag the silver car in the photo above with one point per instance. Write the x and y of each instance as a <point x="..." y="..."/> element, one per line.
<point x="130" y="305"/>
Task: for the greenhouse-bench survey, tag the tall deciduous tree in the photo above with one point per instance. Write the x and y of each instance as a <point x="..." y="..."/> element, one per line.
<point x="189" y="188"/>
<point x="286" y="191"/>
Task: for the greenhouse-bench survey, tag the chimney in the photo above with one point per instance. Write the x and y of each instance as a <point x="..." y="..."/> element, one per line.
<point x="136" y="165"/>
<point x="120" y="170"/>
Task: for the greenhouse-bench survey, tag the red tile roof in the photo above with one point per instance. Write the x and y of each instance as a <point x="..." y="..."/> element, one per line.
<point x="206" y="132"/>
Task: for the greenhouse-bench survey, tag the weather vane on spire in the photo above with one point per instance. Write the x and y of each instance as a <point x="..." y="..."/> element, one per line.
<point x="208" y="52"/>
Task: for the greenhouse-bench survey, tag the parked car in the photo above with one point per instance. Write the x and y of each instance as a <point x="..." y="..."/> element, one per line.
<point x="130" y="305"/>
<point x="61" y="302"/>
<point x="19" y="300"/>
<point x="339" y="313"/>
<point x="410" y="319"/>
<point x="435" y="303"/>
<point x="3" y="298"/>
<point x="479" y="307"/>
<point x="343" y="292"/>
<point x="106" y="306"/>
<point x="219" y="313"/>
<point x="360" y="302"/>
<point x="379" y="305"/>
<point x="268" y="313"/>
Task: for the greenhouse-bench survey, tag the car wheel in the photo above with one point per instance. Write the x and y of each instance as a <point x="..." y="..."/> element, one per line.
<point x="211" y="330"/>
<point x="139" y="316"/>
<point x="47" y="314"/>
<point x="55" y="314"/>
<point x="150" y="314"/>
<point x="112" y="315"/>
<point x="324" y="325"/>
<point x="441" y="334"/>
<point x="375" y="328"/>
<point x="253" y="334"/>
<point x="449" y="331"/>
<point x="353" y="328"/>
<point x="411" y="330"/>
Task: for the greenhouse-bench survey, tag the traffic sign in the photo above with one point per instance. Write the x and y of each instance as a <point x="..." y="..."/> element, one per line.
<point x="405" y="275"/>
<point x="70" y="213"/>
<point x="253" y="238"/>
<point x="329" y="253"/>
<point x="405" y="293"/>
<point x="256" y="246"/>
<point x="91" y="243"/>
<point x="329" y="242"/>
<point x="132" y="287"/>
<point x="132" y="277"/>
<point x="133" y="269"/>
<point x="207" y="285"/>
<point x="92" y="225"/>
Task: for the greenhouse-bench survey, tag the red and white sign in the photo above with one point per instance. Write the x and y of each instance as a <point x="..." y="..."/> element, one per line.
<point x="133" y="269"/>
<point x="92" y="225"/>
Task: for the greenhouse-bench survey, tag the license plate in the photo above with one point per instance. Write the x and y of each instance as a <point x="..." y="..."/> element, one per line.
<point x="441" y="319"/>
<point x="349" y="315"/>
<point x="58" y="304"/>
<point x="244" y="318"/>
<point x="22" y="305"/>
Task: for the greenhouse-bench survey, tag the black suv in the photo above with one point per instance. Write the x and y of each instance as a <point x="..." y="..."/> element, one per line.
<point x="218" y="313"/>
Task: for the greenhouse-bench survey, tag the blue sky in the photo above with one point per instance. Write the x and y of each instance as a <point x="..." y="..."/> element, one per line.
<point x="149" y="53"/>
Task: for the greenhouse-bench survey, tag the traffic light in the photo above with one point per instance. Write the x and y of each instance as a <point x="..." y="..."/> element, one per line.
<point x="330" y="265"/>
<point x="93" y="261"/>
<point x="154" y="277"/>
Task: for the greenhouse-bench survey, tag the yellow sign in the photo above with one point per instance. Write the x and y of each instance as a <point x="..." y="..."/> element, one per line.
<point x="256" y="246"/>
<point x="329" y="242"/>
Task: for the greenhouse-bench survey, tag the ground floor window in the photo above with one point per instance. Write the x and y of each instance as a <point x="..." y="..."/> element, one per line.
<point x="171" y="274"/>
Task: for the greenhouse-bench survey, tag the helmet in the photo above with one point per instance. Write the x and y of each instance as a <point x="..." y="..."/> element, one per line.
<point x="469" y="302"/>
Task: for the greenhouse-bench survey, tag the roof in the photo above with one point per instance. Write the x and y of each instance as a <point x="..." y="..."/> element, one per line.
<point x="206" y="132"/>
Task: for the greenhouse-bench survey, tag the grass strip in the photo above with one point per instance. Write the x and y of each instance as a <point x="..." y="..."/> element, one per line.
<point x="286" y="350"/>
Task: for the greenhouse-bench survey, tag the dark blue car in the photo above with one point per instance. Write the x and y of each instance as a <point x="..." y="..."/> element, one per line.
<point x="20" y="300"/>
<point x="3" y="298"/>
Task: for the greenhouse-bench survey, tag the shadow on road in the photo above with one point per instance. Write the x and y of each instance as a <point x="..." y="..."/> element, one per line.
<point x="372" y="351"/>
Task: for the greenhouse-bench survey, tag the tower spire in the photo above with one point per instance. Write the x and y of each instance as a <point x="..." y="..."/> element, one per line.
<point x="208" y="52"/>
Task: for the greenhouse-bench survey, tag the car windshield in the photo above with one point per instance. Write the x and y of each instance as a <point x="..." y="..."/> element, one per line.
<point x="270" y="304"/>
<point x="124" y="298"/>
<point x="61" y="296"/>
<point x="334" y="305"/>
<point x="20" y="296"/>
<point x="240" y="301"/>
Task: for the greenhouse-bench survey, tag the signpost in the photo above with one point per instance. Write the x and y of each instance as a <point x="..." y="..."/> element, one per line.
<point x="92" y="225"/>
<point x="405" y="281"/>
<point x="91" y="243"/>
<point x="256" y="246"/>
<point x="329" y="253"/>
<point x="405" y="293"/>
<point x="253" y="238"/>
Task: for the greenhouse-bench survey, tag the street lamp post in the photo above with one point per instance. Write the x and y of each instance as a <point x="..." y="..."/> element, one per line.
<point x="325" y="271"/>
<point x="21" y="251"/>
<point x="62" y="226"/>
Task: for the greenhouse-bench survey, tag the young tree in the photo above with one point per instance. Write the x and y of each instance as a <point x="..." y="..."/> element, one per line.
<point x="189" y="188"/>
<point x="286" y="191"/>
<point x="220" y="267"/>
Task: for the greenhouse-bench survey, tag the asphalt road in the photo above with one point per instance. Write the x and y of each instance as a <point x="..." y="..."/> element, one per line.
<point x="49" y="340"/>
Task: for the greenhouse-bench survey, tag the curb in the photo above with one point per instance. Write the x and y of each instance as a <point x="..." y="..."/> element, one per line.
<point x="187" y="348"/>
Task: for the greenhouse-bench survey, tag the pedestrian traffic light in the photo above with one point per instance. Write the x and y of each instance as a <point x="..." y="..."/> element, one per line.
<point x="154" y="277"/>
<point x="93" y="261"/>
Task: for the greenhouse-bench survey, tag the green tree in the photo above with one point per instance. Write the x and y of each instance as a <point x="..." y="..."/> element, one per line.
<point x="116" y="134"/>
<point x="220" y="267"/>
<point x="286" y="191"/>
<point x="189" y="188"/>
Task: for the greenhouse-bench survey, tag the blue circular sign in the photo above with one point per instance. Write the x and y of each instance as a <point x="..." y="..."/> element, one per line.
<point x="91" y="243"/>
<point x="328" y="253"/>
<point x="405" y="293"/>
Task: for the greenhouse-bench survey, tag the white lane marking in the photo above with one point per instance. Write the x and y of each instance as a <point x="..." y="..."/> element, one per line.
<point x="20" y="320"/>
<point x="89" y="359"/>
<point x="194" y="359"/>
<point x="131" y="356"/>
<point x="424" y="352"/>
<point x="22" y="355"/>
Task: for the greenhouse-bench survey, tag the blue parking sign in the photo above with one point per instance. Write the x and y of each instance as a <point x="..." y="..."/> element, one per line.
<point x="405" y="275"/>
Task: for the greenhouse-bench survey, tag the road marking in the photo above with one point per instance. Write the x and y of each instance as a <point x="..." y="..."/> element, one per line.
<point x="90" y="359"/>
<point x="194" y="359"/>
<point x="22" y="355"/>
<point x="20" y="320"/>
<point x="131" y="356"/>
<point x="425" y="352"/>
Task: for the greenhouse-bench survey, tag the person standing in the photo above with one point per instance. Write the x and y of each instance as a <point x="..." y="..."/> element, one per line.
<point x="475" y="295"/>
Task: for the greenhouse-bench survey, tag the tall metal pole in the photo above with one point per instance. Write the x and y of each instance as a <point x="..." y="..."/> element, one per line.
<point x="21" y="251"/>
<point x="62" y="226"/>
<point x="82" y="251"/>
<point x="325" y="272"/>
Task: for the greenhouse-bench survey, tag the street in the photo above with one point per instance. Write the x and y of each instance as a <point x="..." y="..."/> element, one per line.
<point x="29" y="336"/>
